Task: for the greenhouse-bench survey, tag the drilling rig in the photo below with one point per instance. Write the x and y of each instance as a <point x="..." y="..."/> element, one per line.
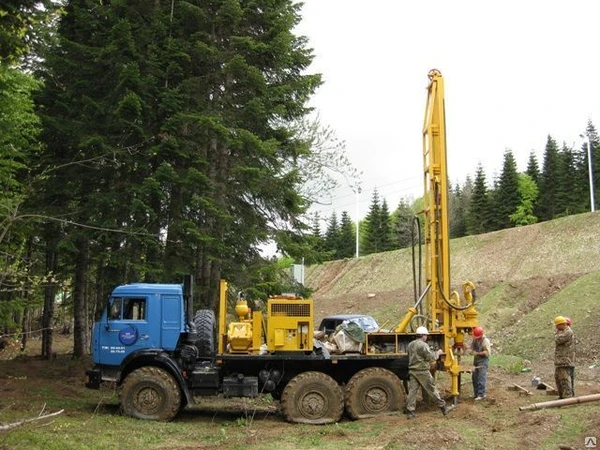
<point x="162" y="356"/>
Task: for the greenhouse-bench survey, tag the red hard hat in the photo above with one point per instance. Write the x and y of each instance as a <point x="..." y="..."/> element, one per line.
<point x="477" y="332"/>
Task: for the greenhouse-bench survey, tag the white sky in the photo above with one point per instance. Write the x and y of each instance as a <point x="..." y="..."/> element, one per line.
<point x="514" y="71"/>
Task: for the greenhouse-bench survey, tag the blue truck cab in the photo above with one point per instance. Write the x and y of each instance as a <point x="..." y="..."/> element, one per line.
<point x="138" y="316"/>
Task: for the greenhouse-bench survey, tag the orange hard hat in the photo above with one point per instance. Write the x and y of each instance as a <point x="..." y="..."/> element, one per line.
<point x="477" y="332"/>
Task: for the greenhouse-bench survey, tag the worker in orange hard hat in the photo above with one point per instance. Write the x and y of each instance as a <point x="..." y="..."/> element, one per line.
<point x="481" y="349"/>
<point x="564" y="357"/>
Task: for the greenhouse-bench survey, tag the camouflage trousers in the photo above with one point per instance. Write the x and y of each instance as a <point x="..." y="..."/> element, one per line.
<point x="563" y="376"/>
<point x="425" y="381"/>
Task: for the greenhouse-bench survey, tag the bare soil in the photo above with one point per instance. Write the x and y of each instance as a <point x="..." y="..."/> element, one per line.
<point x="495" y="422"/>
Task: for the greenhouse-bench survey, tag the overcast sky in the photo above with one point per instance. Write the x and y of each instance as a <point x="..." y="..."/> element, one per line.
<point x="514" y="71"/>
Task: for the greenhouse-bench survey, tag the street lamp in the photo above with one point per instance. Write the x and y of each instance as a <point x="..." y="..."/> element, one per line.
<point x="589" y="151"/>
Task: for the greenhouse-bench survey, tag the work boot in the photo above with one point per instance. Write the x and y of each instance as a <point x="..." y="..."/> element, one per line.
<point x="410" y="414"/>
<point x="446" y="409"/>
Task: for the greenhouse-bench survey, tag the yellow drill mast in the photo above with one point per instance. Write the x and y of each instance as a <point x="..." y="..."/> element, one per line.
<point x="445" y="310"/>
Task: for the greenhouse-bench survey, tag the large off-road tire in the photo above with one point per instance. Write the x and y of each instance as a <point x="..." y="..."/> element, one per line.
<point x="206" y="329"/>
<point x="150" y="393"/>
<point x="312" y="397"/>
<point x="373" y="391"/>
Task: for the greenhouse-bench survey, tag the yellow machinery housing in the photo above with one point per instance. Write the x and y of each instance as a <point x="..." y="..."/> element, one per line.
<point x="289" y="325"/>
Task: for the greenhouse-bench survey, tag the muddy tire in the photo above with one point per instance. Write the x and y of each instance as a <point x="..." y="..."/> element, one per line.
<point x="313" y="398"/>
<point x="150" y="393"/>
<point x="373" y="391"/>
<point x="206" y="329"/>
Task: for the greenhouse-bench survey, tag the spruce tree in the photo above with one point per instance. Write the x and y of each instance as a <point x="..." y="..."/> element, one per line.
<point x="507" y="193"/>
<point x="168" y="130"/>
<point x="332" y="237"/>
<point x="402" y="223"/>
<point x="459" y="199"/>
<point x="372" y="225"/>
<point x="549" y="182"/>
<point x="478" y="215"/>
<point x="347" y="237"/>
<point x="385" y="230"/>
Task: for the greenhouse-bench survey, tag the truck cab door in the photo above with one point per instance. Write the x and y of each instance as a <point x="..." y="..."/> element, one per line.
<point x="127" y="329"/>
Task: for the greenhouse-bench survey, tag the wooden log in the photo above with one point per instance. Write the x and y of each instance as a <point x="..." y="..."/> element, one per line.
<point x="562" y="402"/>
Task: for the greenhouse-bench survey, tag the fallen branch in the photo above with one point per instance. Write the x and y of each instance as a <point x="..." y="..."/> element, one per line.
<point x="10" y="426"/>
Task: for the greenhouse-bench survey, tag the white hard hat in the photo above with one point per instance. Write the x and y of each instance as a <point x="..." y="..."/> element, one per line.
<point x="422" y="331"/>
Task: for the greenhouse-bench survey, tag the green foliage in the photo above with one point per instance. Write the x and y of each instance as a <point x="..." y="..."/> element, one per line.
<point x="377" y="235"/>
<point x="347" y="237"/>
<point x="478" y="216"/>
<point x="549" y="182"/>
<point x="506" y="195"/>
<point x="528" y="192"/>
<point x="402" y="224"/>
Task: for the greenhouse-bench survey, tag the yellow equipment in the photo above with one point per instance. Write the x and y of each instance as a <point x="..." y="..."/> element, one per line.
<point x="444" y="310"/>
<point x="289" y="328"/>
<point x="289" y="324"/>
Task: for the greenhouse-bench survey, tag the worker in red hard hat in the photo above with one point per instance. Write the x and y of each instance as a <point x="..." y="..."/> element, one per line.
<point x="481" y="348"/>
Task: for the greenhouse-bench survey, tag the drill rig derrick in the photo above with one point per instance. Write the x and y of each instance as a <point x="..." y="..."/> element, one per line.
<point x="444" y="310"/>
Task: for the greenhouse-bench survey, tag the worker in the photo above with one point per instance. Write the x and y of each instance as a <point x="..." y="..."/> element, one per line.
<point x="564" y="357"/>
<point x="420" y="355"/>
<point x="569" y="323"/>
<point x="481" y="350"/>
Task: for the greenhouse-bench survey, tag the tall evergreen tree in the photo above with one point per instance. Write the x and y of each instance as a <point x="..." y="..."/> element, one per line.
<point x="549" y="182"/>
<point x="568" y="190"/>
<point x="506" y="194"/>
<point x="385" y="229"/>
<point x="170" y="124"/>
<point x="402" y="222"/>
<point x="371" y="242"/>
<point x="533" y="169"/>
<point x="332" y="237"/>
<point x="478" y="215"/>
<point x="347" y="237"/>
<point x="459" y="200"/>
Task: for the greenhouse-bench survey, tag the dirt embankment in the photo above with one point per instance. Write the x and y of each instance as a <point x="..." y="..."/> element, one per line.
<point x="516" y="271"/>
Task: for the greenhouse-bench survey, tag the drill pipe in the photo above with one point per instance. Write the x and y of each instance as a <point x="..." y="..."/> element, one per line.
<point x="562" y="402"/>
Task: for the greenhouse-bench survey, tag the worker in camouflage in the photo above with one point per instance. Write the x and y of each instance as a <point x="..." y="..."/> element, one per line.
<point x="564" y="357"/>
<point x="420" y="355"/>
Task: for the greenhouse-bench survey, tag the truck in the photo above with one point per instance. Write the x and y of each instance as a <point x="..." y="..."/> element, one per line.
<point x="163" y="356"/>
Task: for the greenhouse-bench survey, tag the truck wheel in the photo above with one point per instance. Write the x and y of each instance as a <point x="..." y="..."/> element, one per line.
<point x="150" y="393"/>
<point x="373" y="391"/>
<point x="206" y="328"/>
<point x="312" y="397"/>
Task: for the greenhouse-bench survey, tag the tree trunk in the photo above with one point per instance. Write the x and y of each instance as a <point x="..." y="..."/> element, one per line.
<point x="80" y="328"/>
<point x="49" y="296"/>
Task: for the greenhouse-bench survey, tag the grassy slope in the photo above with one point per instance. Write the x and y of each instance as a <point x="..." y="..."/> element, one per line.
<point x="525" y="277"/>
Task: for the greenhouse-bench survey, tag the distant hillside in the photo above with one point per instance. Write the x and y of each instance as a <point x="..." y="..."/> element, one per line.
<point x="524" y="276"/>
